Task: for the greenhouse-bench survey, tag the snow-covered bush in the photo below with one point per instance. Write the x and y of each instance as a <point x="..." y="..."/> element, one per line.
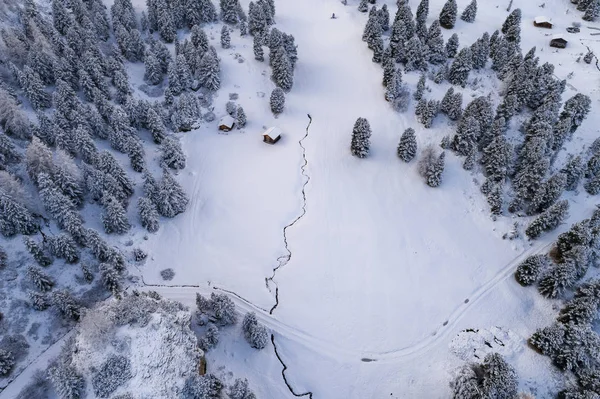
<point x="7" y="361"/>
<point x="223" y="308"/>
<point x="240" y="390"/>
<point x="360" y="138"/>
<point x="256" y="334"/>
<point x="114" y="372"/>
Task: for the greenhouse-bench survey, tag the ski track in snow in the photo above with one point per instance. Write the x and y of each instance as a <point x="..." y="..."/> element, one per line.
<point x="285" y="259"/>
<point x="178" y="292"/>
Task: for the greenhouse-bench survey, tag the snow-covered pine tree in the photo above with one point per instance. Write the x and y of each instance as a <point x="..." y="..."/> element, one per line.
<point x="363" y="6"/>
<point x="256" y="334"/>
<point x="433" y="176"/>
<point x="451" y="104"/>
<point x="460" y="68"/>
<point x="109" y="165"/>
<point x="418" y="94"/>
<point x="548" y="220"/>
<point x="435" y="44"/>
<point x="182" y="69"/>
<point x="592" y="186"/>
<point x="512" y="26"/>
<point x="448" y="14"/>
<point x="497" y="158"/>
<point x="65" y="381"/>
<point x="229" y="11"/>
<point x="277" y="101"/>
<point x="360" y="138"/>
<point x="548" y="340"/>
<point x="114" y="218"/>
<point x="548" y="193"/>
<point x="557" y="280"/>
<point x="582" y="5"/>
<point x="429" y="112"/>
<point x="421" y="20"/>
<point x="210" y="339"/>
<point x="241" y="118"/>
<point x="171" y="200"/>
<point x="394" y="86"/>
<point x="3" y="258"/>
<point x="156" y="126"/>
<point x="209" y="72"/>
<point x="34" y="89"/>
<point x="573" y="170"/>
<point x="415" y="55"/>
<point x="148" y="214"/>
<point x="63" y="246"/>
<point x="531" y="268"/>
<point x="384" y="18"/>
<point x="470" y="12"/>
<point x="225" y="37"/>
<point x="407" y="147"/>
<point x="224" y="309"/>
<point x="481" y="51"/>
<point x="389" y="68"/>
<point x="64" y="302"/>
<point x="580" y="311"/>
<point x="259" y="54"/>
<point x="466" y="384"/>
<point x="499" y="378"/>
<point x="172" y="153"/>
<point x="67" y="175"/>
<point x="7" y="362"/>
<point x="38" y="252"/>
<point x="495" y="199"/>
<point x="452" y="46"/>
<point x="283" y="73"/>
<point x="241" y="390"/>
<point x="592" y="11"/>
<point x="56" y="203"/>
<point x="377" y="47"/>
<point x="153" y="69"/>
<point x="39" y="301"/>
<point x="257" y="22"/>
<point x="576" y="108"/>
<point x="466" y="136"/>
<point x="87" y="151"/>
<point x="41" y="280"/>
<point x="110" y="279"/>
<point x="470" y="159"/>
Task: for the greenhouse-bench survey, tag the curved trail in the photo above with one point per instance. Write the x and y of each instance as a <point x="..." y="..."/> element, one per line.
<point x="285" y="259"/>
<point x="333" y="350"/>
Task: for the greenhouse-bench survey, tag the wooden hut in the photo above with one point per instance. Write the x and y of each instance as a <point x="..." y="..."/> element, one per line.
<point x="542" y="22"/>
<point x="272" y="135"/>
<point x="558" y="41"/>
<point x="226" y="123"/>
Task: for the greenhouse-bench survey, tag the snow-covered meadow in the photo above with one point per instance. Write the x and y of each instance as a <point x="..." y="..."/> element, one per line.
<point x="384" y="270"/>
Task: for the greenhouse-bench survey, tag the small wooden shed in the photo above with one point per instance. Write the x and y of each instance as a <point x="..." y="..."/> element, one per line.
<point x="558" y="41"/>
<point x="542" y="22"/>
<point x="272" y="135"/>
<point x="226" y="123"/>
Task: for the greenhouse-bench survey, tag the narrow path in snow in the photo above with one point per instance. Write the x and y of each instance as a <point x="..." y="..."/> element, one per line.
<point x="333" y="350"/>
<point x="285" y="259"/>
